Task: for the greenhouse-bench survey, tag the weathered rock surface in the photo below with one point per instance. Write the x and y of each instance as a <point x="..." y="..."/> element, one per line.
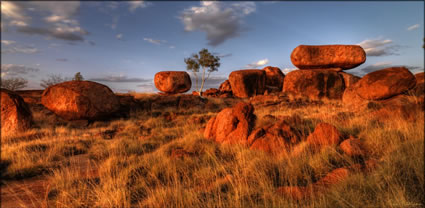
<point x="247" y="83"/>
<point x="352" y="147"/>
<point x="225" y="87"/>
<point x="15" y="114"/>
<point x="172" y="81"/>
<point x="349" y="79"/>
<point x="314" y="84"/>
<point x="324" y="135"/>
<point x="274" y="139"/>
<point x="419" y="89"/>
<point x="231" y="125"/>
<point x="274" y="79"/>
<point x="385" y="83"/>
<point x="79" y="100"/>
<point x="328" y="56"/>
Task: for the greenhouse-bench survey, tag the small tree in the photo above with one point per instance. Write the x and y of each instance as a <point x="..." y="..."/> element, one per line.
<point x="14" y="83"/>
<point x="52" y="80"/>
<point x="78" y="77"/>
<point x="203" y="59"/>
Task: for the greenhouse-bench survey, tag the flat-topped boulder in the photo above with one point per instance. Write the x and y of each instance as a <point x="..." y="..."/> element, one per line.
<point x="247" y="83"/>
<point x="385" y="83"/>
<point x="172" y="82"/>
<point x="314" y="84"/>
<point x="274" y="79"/>
<point x="328" y="56"/>
<point x="15" y="114"/>
<point x="79" y="100"/>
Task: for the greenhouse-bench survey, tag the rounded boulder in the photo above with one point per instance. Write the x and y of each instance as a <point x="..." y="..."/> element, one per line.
<point x="385" y="83"/>
<point x="77" y="100"/>
<point x="172" y="81"/>
<point x="274" y="78"/>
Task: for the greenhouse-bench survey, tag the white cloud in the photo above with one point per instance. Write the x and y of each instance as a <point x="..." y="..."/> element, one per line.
<point x="15" y="69"/>
<point x="287" y="70"/>
<point x="7" y="42"/>
<point x="54" y="18"/>
<point x="136" y="4"/>
<point x="12" y="10"/>
<point x="413" y="27"/>
<point x="25" y="50"/>
<point x="258" y="63"/>
<point x="218" y="20"/>
<point x="18" y="23"/>
<point x="119" y="36"/>
<point x="153" y="41"/>
<point x="379" y="47"/>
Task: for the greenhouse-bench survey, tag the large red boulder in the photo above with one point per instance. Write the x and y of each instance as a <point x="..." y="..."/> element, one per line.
<point x="78" y="100"/>
<point x="15" y="113"/>
<point x="274" y="78"/>
<point x="385" y="83"/>
<point x="324" y="135"/>
<point x="314" y="84"/>
<point x="172" y="81"/>
<point x="247" y="83"/>
<point x="231" y="125"/>
<point x="328" y="56"/>
<point x="274" y="139"/>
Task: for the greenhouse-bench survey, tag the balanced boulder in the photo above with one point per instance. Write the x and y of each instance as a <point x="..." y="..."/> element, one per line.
<point x="77" y="100"/>
<point x="328" y="56"/>
<point x="385" y="83"/>
<point x="15" y="113"/>
<point x="173" y="81"/>
<point x="274" y="79"/>
<point x="314" y="84"/>
<point x="247" y="83"/>
<point x="231" y="125"/>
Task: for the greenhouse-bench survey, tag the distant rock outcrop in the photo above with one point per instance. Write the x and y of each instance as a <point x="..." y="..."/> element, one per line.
<point x="314" y="84"/>
<point x="225" y="87"/>
<point x="247" y="83"/>
<point x="15" y="113"/>
<point x="231" y="125"/>
<point x="274" y="79"/>
<point x="173" y="82"/>
<point x="77" y="100"/>
<point x="328" y="56"/>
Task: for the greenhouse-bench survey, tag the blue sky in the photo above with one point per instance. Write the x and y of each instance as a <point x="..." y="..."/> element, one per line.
<point x="123" y="44"/>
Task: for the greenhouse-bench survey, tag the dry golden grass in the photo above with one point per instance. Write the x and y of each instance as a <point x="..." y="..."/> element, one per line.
<point x="135" y="166"/>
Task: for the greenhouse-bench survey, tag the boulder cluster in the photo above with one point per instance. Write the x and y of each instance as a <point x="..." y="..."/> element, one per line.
<point x="320" y="70"/>
<point x="236" y="126"/>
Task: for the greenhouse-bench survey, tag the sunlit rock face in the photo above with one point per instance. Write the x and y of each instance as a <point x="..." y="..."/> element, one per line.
<point x="76" y="100"/>
<point x="172" y="82"/>
<point x="314" y="84"/>
<point x="15" y="114"/>
<point x="328" y="56"/>
<point x="247" y="83"/>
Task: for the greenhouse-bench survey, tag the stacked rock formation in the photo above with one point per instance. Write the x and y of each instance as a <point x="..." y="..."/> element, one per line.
<point x="15" y="114"/>
<point x="172" y="82"/>
<point x="80" y="100"/>
<point x="320" y="75"/>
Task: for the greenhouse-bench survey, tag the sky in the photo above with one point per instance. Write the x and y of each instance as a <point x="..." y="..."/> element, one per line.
<point x="123" y="44"/>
